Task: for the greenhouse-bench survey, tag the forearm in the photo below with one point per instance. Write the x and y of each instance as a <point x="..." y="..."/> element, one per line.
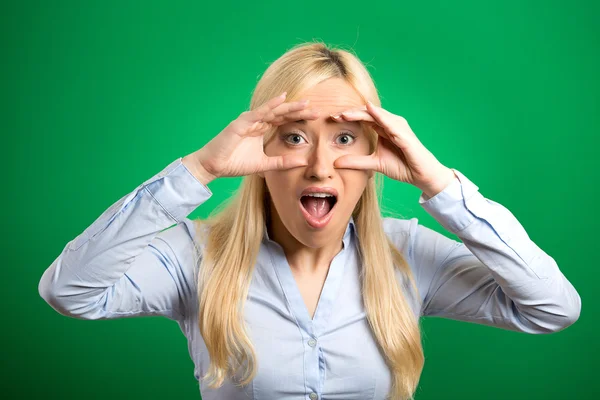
<point x="439" y="184"/>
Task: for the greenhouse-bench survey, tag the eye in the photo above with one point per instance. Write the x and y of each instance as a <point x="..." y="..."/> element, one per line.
<point x="293" y="134"/>
<point x="297" y="135"/>
<point x="348" y="134"/>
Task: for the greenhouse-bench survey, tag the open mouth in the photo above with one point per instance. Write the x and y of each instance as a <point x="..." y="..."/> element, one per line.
<point x="317" y="210"/>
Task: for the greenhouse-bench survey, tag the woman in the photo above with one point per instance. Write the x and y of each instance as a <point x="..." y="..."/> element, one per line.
<point x="298" y="288"/>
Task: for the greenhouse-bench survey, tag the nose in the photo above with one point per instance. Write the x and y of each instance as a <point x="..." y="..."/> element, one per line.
<point x="320" y="162"/>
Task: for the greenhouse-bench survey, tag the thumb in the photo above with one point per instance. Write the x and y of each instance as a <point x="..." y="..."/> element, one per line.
<point x="285" y="162"/>
<point x="356" y="162"/>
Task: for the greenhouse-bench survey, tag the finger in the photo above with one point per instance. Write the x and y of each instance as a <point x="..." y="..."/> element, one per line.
<point x="357" y="162"/>
<point x="381" y="132"/>
<point x="272" y="103"/>
<point x="258" y="128"/>
<point x="387" y="120"/>
<point x="273" y="107"/>
<point x="284" y="109"/>
<point x="355" y="115"/>
<point x="255" y="115"/>
<point x="359" y="108"/>
<point x="284" y="162"/>
<point x="359" y="115"/>
<point x="379" y="114"/>
<point x="295" y="116"/>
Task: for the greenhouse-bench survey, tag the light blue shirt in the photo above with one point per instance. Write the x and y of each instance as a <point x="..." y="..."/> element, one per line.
<point x="128" y="264"/>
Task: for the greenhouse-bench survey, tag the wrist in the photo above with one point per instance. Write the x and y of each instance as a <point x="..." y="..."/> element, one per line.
<point x="441" y="182"/>
<point x="197" y="169"/>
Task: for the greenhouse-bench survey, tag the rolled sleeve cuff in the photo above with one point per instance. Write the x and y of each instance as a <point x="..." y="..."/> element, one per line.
<point x="177" y="190"/>
<point x="449" y="207"/>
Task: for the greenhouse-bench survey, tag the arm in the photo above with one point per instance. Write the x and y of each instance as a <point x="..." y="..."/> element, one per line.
<point x="497" y="276"/>
<point x="127" y="263"/>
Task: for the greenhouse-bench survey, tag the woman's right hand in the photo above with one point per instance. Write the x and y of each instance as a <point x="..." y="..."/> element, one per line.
<point x="238" y="149"/>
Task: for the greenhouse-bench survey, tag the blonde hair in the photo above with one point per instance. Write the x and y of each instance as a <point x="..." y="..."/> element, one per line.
<point x="232" y="242"/>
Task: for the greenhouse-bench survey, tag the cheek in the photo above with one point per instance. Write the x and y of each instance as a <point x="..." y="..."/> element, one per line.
<point x="280" y="184"/>
<point x="354" y="176"/>
<point x="355" y="182"/>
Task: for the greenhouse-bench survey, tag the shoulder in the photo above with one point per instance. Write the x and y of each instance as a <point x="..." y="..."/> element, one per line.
<point x="417" y="240"/>
<point x="401" y="232"/>
<point x="397" y="225"/>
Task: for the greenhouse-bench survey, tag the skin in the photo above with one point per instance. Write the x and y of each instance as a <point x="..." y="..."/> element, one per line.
<point x="316" y="157"/>
<point x="321" y="140"/>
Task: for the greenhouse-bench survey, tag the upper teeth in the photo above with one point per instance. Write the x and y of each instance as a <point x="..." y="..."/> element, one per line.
<point x="320" y="195"/>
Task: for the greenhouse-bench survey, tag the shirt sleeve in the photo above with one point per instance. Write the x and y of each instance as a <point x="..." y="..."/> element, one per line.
<point x="497" y="276"/>
<point x="132" y="261"/>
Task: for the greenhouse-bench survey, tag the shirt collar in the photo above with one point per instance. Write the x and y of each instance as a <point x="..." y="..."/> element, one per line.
<point x="350" y="230"/>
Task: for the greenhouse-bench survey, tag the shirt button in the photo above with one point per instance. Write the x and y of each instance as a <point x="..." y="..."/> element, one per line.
<point x="312" y="343"/>
<point x="313" y="396"/>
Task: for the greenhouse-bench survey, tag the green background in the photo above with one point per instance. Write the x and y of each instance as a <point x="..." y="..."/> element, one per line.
<point x="98" y="96"/>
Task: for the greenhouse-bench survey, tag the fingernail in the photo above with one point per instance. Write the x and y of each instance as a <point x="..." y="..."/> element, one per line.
<point x="335" y="116"/>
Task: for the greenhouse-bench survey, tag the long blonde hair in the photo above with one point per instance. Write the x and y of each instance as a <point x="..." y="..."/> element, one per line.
<point x="232" y="242"/>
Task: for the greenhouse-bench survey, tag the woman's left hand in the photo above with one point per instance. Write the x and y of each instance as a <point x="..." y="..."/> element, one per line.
<point x="399" y="153"/>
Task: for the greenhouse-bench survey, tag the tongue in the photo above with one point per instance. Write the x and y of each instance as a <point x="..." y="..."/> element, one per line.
<point x="316" y="206"/>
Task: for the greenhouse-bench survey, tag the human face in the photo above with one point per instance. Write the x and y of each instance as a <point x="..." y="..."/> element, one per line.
<point x="321" y="140"/>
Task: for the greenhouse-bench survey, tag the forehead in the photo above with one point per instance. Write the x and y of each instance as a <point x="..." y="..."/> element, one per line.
<point x="332" y="95"/>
